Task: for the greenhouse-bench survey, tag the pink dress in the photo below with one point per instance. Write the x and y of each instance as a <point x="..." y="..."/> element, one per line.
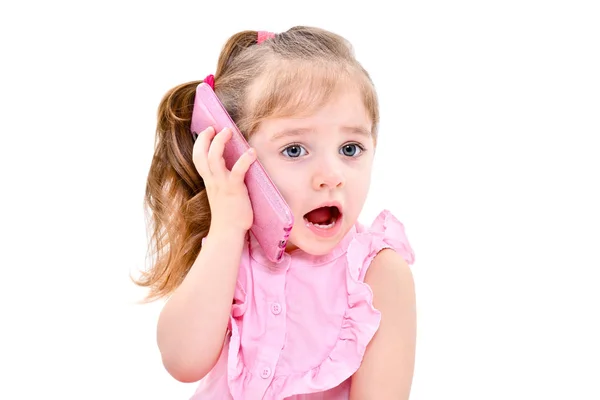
<point x="299" y="329"/>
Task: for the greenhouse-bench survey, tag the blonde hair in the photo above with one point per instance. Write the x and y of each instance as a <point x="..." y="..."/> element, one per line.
<point x="293" y="72"/>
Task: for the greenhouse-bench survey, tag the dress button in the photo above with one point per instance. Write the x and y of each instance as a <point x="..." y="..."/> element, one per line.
<point x="276" y="308"/>
<point x="265" y="372"/>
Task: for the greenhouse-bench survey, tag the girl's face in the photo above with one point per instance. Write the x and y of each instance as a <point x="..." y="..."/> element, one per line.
<point x="322" y="166"/>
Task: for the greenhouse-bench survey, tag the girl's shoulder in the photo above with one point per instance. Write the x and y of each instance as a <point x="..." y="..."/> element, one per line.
<point x="385" y="232"/>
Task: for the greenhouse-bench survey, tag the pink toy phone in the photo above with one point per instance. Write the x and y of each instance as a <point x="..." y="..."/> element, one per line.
<point x="273" y="219"/>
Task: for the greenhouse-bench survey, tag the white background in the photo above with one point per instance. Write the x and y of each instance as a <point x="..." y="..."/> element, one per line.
<point x="489" y="154"/>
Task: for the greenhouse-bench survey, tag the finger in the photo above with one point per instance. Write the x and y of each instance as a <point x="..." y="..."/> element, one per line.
<point x="216" y="162"/>
<point x="241" y="166"/>
<point x="200" y="151"/>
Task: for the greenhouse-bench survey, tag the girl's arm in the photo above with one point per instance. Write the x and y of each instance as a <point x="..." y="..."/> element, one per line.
<point x="387" y="368"/>
<point x="193" y="323"/>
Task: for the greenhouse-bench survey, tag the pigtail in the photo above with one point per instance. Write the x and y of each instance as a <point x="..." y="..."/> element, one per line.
<point x="176" y="206"/>
<point x="177" y="209"/>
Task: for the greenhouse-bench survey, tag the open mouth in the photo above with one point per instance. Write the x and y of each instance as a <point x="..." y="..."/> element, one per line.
<point x="323" y="217"/>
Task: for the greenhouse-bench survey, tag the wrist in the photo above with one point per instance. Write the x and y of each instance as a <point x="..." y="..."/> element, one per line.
<point x="228" y="233"/>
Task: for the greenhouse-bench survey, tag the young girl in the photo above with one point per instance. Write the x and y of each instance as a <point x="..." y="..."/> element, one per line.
<point x="336" y="318"/>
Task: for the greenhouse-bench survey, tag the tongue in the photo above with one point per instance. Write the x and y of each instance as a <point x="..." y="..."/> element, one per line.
<point x="319" y="216"/>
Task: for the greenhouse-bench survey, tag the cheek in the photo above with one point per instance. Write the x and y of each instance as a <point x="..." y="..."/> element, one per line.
<point x="358" y="187"/>
<point x="286" y="178"/>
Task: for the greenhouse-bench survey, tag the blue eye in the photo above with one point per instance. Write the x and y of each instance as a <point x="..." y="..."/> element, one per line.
<point x="351" y="150"/>
<point x="294" y="151"/>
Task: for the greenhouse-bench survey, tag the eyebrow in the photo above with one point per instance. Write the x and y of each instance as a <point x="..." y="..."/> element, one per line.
<point x="301" y="131"/>
<point x="357" y="129"/>
<point x="289" y="133"/>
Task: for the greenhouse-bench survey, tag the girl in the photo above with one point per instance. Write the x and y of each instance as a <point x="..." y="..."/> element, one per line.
<point x="336" y="318"/>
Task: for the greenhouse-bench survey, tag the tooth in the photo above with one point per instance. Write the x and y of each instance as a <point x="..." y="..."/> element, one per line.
<point x="328" y="226"/>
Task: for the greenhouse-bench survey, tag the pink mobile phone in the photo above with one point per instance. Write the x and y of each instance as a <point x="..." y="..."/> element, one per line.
<point x="273" y="219"/>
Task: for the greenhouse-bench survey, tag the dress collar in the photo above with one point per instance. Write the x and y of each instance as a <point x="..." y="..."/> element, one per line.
<point x="340" y="249"/>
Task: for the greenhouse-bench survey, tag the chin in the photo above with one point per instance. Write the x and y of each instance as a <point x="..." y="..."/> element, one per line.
<point x="304" y="238"/>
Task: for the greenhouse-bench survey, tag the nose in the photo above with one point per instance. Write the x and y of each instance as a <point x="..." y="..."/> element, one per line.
<point x="327" y="176"/>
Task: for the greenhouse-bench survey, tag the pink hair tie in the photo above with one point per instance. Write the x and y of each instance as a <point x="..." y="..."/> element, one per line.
<point x="210" y="81"/>
<point x="261" y="36"/>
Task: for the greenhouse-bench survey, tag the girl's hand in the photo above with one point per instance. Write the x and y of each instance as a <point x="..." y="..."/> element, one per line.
<point x="226" y="191"/>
